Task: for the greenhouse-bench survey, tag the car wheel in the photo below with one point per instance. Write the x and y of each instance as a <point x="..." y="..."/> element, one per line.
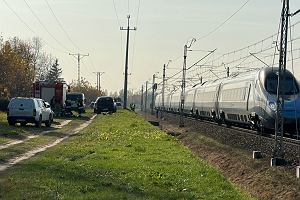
<point x="11" y="122"/>
<point x="49" y="121"/>
<point x="39" y="123"/>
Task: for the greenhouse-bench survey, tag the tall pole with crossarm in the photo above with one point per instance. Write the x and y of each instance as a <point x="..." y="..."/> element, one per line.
<point x="128" y="29"/>
<point x="79" y="57"/>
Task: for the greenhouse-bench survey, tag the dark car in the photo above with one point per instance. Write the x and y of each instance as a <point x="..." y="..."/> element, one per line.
<point x="104" y="104"/>
<point x="75" y="101"/>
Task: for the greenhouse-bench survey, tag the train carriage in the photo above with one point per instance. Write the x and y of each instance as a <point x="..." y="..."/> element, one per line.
<point x="248" y="99"/>
<point x="189" y="103"/>
<point x="175" y="101"/>
<point x="206" y="103"/>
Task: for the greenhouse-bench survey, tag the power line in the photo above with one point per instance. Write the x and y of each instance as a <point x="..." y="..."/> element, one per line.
<point x="116" y="12"/>
<point x="118" y="21"/>
<point x="138" y="13"/>
<point x="134" y="38"/>
<point x="128" y="7"/>
<point x="224" y="22"/>
<point x="27" y="26"/>
<point x="42" y="24"/>
<point x="61" y="26"/>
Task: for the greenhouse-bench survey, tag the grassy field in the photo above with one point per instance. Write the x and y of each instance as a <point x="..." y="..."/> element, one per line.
<point x="20" y="133"/>
<point x="117" y="157"/>
<point x="8" y="133"/>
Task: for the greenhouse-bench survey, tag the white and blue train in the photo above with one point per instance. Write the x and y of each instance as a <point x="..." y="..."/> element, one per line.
<point x="247" y="99"/>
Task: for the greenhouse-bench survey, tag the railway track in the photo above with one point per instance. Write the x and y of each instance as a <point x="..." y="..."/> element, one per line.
<point x="288" y="138"/>
<point x="241" y="137"/>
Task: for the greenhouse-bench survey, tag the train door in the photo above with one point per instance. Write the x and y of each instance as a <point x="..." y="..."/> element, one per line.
<point x="194" y="97"/>
<point x="248" y="91"/>
<point x="217" y="109"/>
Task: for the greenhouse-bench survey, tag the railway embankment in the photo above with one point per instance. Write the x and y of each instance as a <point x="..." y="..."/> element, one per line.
<point x="230" y="151"/>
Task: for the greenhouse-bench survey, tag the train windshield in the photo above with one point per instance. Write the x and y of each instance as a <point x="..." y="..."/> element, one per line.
<point x="289" y="86"/>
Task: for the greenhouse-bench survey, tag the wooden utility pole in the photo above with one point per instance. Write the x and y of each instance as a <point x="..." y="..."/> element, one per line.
<point x="128" y="29"/>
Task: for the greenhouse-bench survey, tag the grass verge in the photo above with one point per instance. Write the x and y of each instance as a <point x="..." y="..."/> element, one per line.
<point x="9" y="133"/>
<point x="117" y="157"/>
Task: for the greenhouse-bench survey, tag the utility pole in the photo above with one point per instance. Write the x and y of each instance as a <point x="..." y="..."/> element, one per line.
<point x="278" y="154"/>
<point x="79" y="57"/>
<point x="154" y="87"/>
<point x="228" y="72"/>
<point x="142" y="98"/>
<point x="181" y="122"/>
<point x="146" y="96"/>
<point x="163" y="92"/>
<point x="99" y="74"/>
<point x="128" y="29"/>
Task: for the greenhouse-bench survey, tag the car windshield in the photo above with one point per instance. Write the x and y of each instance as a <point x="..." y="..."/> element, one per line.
<point x="289" y="85"/>
<point x="24" y="103"/>
<point x="74" y="97"/>
<point x="105" y="101"/>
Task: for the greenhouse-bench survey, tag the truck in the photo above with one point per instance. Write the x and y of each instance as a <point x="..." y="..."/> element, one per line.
<point x="54" y="93"/>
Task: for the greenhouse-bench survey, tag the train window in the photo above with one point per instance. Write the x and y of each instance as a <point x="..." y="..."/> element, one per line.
<point x="289" y="86"/>
<point x="237" y="94"/>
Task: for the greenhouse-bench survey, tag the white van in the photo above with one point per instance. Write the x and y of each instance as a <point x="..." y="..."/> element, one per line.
<point x="29" y="110"/>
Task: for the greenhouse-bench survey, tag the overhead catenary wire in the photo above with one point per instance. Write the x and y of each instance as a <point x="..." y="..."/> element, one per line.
<point x="264" y="48"/>
<point x="44" y="27"/>
<point x="224" y="22"/>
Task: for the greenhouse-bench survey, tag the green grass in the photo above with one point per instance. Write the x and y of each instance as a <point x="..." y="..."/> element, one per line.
<point x="117" y="157"/>
<point x="8" y="133"/>
<point x="41" y="140"/>
<point x="16" y="150"/>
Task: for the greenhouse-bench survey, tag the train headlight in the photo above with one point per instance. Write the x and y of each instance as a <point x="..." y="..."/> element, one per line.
<point x="273" y="106"/>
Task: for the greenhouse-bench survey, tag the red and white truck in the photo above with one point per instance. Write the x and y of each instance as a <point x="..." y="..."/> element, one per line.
<point x="54" y="93"/>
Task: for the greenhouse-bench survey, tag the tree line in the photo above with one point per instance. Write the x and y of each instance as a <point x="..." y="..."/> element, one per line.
<point x="24" y="61"/>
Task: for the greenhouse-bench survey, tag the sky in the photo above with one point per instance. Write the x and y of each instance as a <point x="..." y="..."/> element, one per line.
<point x="163" y="28"/>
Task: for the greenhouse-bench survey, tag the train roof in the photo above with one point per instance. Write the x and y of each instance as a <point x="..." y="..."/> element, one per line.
<point x="233" y="78"/>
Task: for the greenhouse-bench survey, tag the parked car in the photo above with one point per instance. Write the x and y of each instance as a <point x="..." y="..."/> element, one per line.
<point x="75" y="101"/>
<point x="105" y="104"/>
<point x="29" y="110"/>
